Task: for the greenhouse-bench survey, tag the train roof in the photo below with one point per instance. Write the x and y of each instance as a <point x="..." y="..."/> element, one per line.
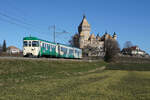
<point x="35" y="38"/>
<point x="68" y="46"/>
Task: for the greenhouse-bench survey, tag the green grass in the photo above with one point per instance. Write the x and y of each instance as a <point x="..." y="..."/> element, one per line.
<point x="72" y="80"/>
<point x="129" y="66"/>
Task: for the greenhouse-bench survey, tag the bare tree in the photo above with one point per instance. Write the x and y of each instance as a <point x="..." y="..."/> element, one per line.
<point x="74" y="41"/>
<point x="111" y="50"/>
<point x="128" y="44"/>
<point x="71" y="41"/>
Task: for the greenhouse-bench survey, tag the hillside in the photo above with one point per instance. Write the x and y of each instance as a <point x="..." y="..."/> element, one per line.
<point x="71" y="80"/>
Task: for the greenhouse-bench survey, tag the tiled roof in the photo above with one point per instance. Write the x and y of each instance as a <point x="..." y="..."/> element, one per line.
<point x="12" y="47"/>
<point x="92" y="36"/>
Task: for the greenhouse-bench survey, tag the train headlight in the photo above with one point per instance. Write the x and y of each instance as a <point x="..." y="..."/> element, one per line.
<point x="33" y="49"/>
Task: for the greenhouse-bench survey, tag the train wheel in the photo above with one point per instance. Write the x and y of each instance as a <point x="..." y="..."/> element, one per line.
<point x="30" y="56"/>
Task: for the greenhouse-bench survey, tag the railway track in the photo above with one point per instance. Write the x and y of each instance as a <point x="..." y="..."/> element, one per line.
<point x="46" y="59"/>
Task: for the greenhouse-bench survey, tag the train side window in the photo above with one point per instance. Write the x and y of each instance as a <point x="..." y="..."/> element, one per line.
<point x="80" y="53"/>
<point x="42" y="45"/>
<point x="25" y="43"/>
<point x="29" y="43"/>
<point x="64" y="50"/>
<point x="70" y="52"/>
<point x="50" y="47"/>
<point x="54" y="47"/>
<point x="76" y="52"/>
<point x="47" y="46"/>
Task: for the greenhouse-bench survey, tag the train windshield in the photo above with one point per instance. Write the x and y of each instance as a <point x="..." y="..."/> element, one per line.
<point x="25" y="43"/>
<point x="35" y="43"/>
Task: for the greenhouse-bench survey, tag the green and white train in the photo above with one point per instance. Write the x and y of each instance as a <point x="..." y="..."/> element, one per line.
<point x="35" y="47"/>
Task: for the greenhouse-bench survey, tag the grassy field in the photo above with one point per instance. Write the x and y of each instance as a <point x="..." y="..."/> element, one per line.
<point x="73" y="80"/>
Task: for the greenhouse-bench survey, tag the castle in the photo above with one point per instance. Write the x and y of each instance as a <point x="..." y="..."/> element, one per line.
<point x="83" y="38"/>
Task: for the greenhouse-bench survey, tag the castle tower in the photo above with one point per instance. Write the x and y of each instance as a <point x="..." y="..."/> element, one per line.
<point x="115" y="36"/>
<point x="98" y="38"/>
<point x="84" y="31"/>
<point x="81" y="41"/>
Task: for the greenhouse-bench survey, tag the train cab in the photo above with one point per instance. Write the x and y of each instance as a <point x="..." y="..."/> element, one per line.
<point x="31" y="47"/>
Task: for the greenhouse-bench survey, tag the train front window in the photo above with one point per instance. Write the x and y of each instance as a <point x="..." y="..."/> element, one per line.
<point x="29" y="43"/>
<point x="35" y="43"/>
<point x="25" y="43"/>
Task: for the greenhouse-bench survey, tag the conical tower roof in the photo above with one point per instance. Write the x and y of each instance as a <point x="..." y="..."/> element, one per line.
<point x="92" y="36"/>
<point x="98" y="37"/>
<point x="84" y="22"/>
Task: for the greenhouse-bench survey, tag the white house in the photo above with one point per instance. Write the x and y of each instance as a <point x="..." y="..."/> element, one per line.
<point x="13" y="50"/>
<point x="134" y="50"/>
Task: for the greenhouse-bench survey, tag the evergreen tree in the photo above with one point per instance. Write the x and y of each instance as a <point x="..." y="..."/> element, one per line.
<point x="4" y="46"/>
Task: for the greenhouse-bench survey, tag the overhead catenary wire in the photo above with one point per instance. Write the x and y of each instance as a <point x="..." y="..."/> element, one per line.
<point x="21" y="18"/>
<point x="14" y="21"/>
<point x="15" y="10"/>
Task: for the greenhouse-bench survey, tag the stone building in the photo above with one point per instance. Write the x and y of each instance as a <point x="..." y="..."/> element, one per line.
<point x="85" y="39"/>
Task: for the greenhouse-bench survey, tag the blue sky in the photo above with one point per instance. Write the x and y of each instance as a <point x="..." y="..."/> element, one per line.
<point x="130" y="19"/>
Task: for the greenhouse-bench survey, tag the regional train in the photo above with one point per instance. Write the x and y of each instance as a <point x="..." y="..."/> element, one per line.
<point x="35" y="47"/>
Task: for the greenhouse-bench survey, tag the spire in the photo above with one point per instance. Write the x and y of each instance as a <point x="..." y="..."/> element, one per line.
<point x="106" y="32"/>
<point x="98" y="37"/>
<point x="92" y="36"/>
<point x="98" y="34"/>
<point x="114" y="33"/>
<point x="84" y="16"/>
<point x="84" y="21"/>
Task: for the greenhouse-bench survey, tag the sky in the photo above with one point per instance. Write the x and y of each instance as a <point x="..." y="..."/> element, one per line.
<point x="130" y="19"/>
